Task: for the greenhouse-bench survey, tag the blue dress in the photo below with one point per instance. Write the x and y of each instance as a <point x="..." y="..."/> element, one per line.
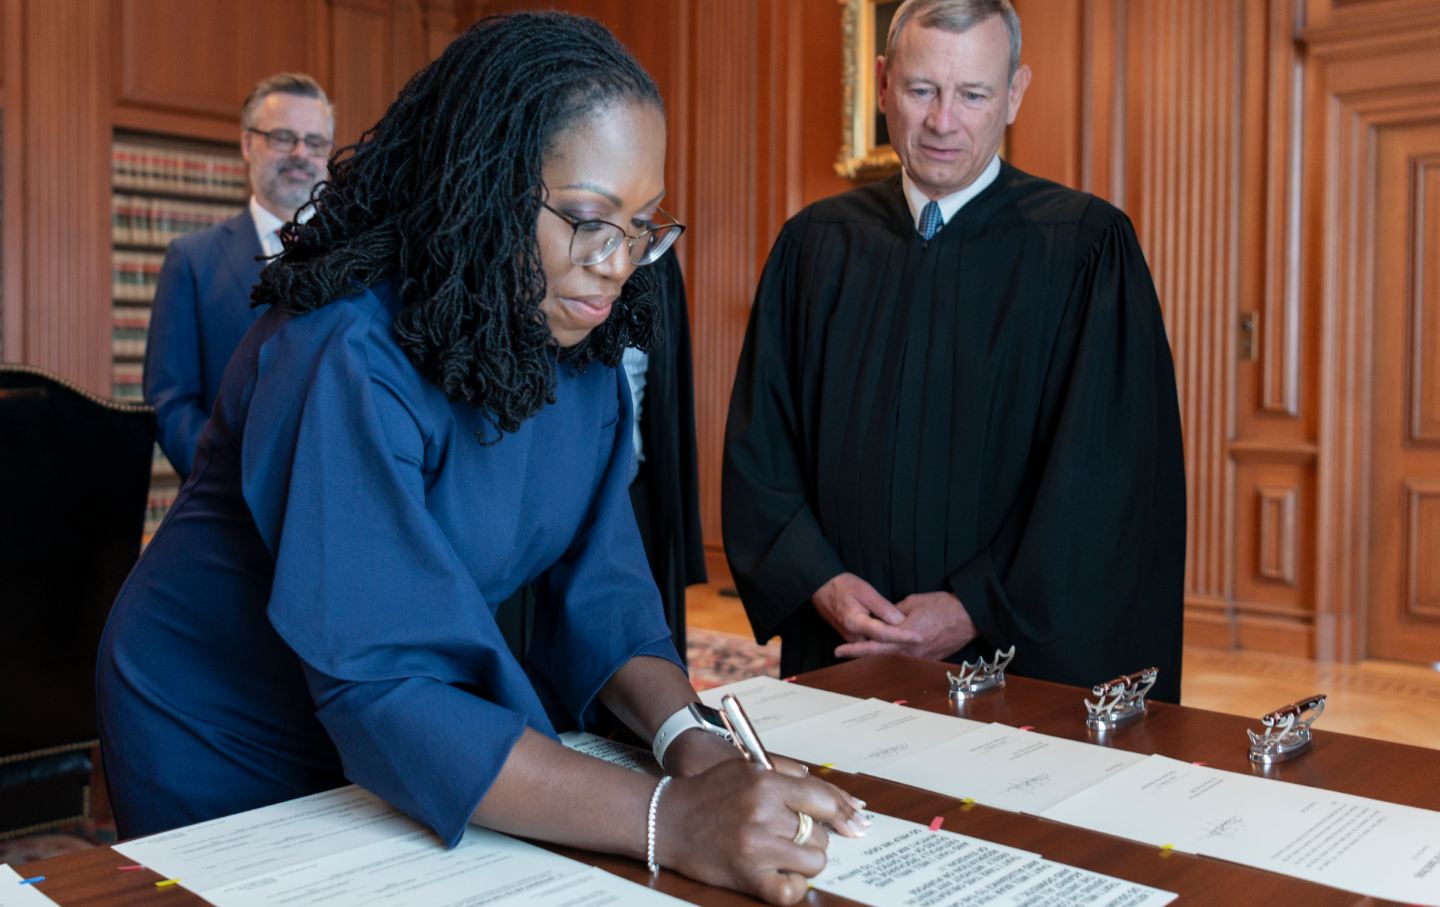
<point x="318" y="605"/>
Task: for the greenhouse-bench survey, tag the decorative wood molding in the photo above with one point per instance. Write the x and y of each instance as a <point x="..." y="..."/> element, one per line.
<point x="1281" y="329"/>
<point x="1286" y="635"/>
<point x="1277" y="509"/>
<point x="65" y="254"/>
<point x="1424" y="389"/>
<point x="1422" y="542"/>
<point x="1373" y="36"/>
<point x="723" y="58"/>
<point x="1355" y="98"/>
<point x="1183" y="64"/>
<point x="1297" y="613"/>
<point x="12" y="179"/>
<point x="1273" y="452"/>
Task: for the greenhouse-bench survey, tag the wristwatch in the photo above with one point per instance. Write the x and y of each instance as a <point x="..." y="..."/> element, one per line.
<point x="697" y="716"/>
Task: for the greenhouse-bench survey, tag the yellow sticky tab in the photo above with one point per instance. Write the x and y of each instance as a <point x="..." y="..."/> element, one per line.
<point x="167" y="883"/>
<point x="827" y="765"/>
<point x="1166" y="849"/>
<point x="967" y="803"/>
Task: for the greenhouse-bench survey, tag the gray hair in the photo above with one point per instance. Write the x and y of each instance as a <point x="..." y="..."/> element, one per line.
<point x="956" y="16"/>
<point x="296" y="83"/>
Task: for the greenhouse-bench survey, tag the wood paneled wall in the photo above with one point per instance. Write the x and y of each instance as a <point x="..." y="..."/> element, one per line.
<point x="1256" y="145"/>
<point x="1280" y="159"/>
<point x="74" y="70"/>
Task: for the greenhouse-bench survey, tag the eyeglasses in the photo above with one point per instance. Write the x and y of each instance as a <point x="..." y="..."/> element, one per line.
<point x="284" y="141"/>
<point x="593" y="241"/>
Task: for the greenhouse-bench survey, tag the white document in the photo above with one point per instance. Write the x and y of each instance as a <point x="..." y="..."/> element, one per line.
<point x="1367" y="846"/>
<point x="771" y="703"/>
<point x="904" y="863"/>
<point x="865" y="735"/>
<point x="621" y="754"/>
<point x="347" y="847"/>
<point x="1000" y="766"/>
<point x="484" y="868"/>
<point x="13" y="894"/>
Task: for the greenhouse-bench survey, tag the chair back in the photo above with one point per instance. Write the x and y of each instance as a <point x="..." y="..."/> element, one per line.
<point x="74" y="477"/>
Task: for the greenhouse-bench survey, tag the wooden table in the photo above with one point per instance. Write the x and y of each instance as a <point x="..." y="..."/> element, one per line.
<point x="1356" y="765"/>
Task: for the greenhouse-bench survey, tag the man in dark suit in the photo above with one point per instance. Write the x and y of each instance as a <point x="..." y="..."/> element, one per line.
<point x="202" y="301"/>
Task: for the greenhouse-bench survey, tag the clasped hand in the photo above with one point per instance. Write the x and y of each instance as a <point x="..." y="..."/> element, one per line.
<point x="928" y="625"/>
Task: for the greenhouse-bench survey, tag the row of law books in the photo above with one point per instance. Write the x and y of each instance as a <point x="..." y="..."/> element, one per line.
<point x="142" y="167"/>
<point x="133" y="275"/>
<point x="130" y="326"/>
<point x="137" y="220"/>
<point x="127" y="379"/>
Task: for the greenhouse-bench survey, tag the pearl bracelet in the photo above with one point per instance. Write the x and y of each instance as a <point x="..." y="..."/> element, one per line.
<point x="650" y="826"/>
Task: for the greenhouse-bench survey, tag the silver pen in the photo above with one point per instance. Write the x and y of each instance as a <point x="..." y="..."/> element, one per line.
<point x="744" y="732"/>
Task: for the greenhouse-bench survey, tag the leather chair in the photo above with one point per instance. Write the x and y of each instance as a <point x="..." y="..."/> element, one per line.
<point x="74" y="476"/>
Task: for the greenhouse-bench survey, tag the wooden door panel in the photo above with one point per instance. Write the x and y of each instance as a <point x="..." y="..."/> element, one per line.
<point x="1404" y="618"/>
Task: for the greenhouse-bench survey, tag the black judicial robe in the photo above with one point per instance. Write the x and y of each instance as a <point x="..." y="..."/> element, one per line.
<point x="666" y="494"/>
<point x="991" y="413"/>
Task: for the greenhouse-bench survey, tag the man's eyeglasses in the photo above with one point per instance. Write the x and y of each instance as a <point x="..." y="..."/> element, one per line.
<point x="284" y="141"/>
<point x="593" y="241"/>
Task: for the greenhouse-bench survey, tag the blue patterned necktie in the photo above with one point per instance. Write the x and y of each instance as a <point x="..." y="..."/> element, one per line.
<point x="930" y="222"/>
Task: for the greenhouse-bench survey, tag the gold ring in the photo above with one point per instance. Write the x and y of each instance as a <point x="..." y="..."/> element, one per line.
<point x="807" y="825"/>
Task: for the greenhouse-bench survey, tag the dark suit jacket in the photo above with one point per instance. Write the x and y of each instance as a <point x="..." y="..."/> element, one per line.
<point x="202" y="309"/>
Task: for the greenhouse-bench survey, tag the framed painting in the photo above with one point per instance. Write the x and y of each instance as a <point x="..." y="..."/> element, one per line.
<point x="866" y="153"/>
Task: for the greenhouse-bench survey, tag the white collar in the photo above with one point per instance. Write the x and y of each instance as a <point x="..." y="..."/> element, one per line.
<point x="267" y="223"/>
<point x="953" y="202"/>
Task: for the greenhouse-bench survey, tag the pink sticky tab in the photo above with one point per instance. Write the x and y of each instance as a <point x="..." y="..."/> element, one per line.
<point x="936" y="822"/>
<point x="790" y="679"/>
<point x="1027" y="727"/>
<point x="131" y="868"/>
<point x="901" y="701"/>
<point x="1200" y="763"/>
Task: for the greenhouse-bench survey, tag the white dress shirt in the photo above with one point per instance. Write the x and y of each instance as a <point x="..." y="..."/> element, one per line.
<point x="267" y="226"/>
<point x="953" y="202"/>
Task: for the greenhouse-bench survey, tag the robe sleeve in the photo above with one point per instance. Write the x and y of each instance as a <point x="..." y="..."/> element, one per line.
<point x="404" y="662"/>
<point x="777" y="551"/>
<point x="1086" y="575"/>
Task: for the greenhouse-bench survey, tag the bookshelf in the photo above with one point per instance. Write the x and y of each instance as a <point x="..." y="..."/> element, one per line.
<point x="161" y="189"/>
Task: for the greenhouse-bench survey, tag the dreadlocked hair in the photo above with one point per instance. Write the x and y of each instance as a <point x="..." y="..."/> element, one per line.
<point x="443" y="195"/>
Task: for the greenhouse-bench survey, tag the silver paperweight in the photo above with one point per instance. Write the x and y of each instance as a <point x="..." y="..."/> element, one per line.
<point x="1287" y="731"/>
<point x="1120" y="701"/>
<point x="980" y="677"/>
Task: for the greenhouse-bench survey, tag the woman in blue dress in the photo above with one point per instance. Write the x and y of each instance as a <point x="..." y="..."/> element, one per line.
<point x="428" y="417"/>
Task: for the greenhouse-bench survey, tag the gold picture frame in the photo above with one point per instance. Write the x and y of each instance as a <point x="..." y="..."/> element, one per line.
<point x="866" y="153"/>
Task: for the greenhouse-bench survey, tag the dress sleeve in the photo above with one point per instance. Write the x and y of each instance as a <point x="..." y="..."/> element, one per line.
<point x="598" y="606"/>
<point x="1086" y="575"/>
<point x="400" y="650"/>
<point x="172" y="361"/>
<point x="777" y="552"/>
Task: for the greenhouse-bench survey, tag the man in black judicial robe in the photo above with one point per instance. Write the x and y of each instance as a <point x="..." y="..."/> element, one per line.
<point x="944" y="447"/>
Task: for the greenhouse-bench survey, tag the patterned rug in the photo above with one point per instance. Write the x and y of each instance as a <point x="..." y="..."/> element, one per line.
<point x="719" y="658"/>
<point x="53" y="843"/>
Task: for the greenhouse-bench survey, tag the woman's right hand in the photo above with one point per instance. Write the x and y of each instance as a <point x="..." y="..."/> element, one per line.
<point x="734" y="826"/>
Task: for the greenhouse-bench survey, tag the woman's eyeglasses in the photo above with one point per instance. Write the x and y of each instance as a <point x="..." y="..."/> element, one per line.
<point x="593" y="241"/>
